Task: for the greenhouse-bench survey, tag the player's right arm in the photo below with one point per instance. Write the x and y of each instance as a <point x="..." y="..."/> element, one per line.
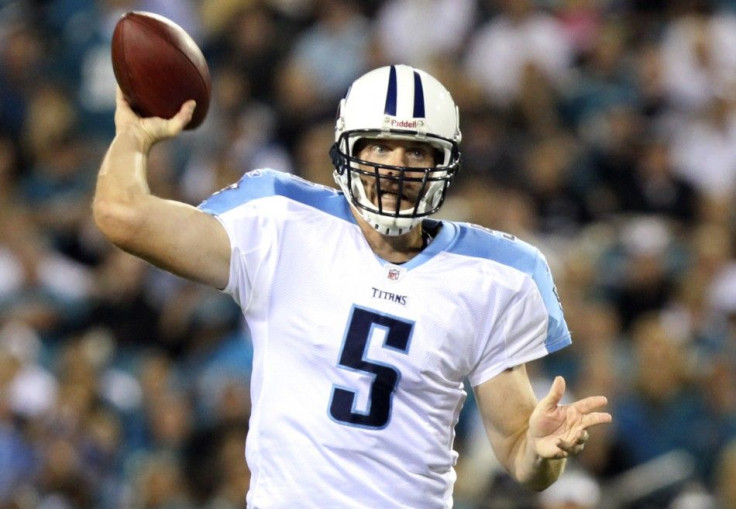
<point x="174" y="236"/>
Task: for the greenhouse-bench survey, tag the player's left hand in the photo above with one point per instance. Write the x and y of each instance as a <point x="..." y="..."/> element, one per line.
<point x="558" y="431"/>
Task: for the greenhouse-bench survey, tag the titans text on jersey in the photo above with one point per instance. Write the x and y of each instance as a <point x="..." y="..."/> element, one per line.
<point x="390" y="296"/>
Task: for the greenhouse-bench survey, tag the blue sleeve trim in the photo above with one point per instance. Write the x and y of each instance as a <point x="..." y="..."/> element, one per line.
<point x="506" y="249"/>
<point x="266" y="182"/>
<point x="480" y="242"/>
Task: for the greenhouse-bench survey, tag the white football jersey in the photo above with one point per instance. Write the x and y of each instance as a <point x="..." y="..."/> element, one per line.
<point x="359" y="364"/>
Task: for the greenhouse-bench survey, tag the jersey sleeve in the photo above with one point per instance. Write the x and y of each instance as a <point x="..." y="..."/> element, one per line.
<point x="531" y="325"/>
<point x="252" y="215"/>
<point x="255" y="212"/>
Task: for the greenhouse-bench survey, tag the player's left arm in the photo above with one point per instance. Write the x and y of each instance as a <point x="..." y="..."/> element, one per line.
<point x="532" y="439"/>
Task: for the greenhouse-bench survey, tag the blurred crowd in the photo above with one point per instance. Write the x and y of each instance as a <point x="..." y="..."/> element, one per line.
<point x="603" y="131"/>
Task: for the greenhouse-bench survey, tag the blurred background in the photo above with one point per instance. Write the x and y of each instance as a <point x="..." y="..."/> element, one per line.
<point x="603" y="131"/>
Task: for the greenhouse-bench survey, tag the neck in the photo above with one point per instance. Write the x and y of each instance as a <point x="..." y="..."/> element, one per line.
<point x="392" y="248"/>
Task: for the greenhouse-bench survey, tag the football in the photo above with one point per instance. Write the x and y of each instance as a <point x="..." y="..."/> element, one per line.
<point x="159" y="67"/>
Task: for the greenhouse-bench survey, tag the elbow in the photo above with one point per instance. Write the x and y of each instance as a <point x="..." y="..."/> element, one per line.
<point x="116" y="221"/>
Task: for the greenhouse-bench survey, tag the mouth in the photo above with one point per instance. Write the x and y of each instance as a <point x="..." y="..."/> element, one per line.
<point x="387" y="196"/>
<point x="393" y="203"/>
<point x="395" y="195"/>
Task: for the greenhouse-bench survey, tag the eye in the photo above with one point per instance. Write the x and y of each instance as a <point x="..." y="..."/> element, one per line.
<point x="376" y="148"/>
<point x="420" y="153"/>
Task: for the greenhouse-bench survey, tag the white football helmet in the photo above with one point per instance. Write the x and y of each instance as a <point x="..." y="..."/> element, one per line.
<point x="396" y="102"/>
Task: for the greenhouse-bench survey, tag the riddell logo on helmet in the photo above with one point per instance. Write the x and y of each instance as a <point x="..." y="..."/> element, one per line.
<point x="405" y="124"/>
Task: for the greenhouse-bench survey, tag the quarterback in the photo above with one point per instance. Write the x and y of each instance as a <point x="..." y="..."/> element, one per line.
<point x="367" y="316"/>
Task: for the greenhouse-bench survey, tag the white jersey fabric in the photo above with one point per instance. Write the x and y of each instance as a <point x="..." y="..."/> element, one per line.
<point x="359" y="364"/>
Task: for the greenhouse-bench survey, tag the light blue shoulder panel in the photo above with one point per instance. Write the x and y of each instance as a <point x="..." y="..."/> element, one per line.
<point x="264" y="183"/>
<point x="472" y="240"/>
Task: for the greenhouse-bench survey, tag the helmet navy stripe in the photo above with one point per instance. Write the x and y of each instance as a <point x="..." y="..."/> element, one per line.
<point x="418" y="96"/>
<point x="391" y="94"/>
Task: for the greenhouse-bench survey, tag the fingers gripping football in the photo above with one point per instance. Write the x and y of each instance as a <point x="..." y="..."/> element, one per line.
<point x="151" y="129"/>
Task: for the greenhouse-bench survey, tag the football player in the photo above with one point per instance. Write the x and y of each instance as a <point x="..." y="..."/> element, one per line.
<point x="366" y="316"/>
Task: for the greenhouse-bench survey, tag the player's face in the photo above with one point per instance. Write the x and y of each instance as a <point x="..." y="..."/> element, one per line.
<point x="406" y="153"/>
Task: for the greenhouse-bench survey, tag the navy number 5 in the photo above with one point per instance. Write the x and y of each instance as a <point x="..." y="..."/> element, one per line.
<point x="361" y="327"/>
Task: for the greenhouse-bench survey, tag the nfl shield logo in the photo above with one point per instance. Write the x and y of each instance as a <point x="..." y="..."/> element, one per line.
<point x="393" y="274"/>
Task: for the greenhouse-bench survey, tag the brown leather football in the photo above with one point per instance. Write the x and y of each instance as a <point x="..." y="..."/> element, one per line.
<point x="158" y="66"/>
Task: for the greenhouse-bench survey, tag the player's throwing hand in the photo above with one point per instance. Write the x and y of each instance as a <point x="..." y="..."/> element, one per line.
<point x="152" y="129"/>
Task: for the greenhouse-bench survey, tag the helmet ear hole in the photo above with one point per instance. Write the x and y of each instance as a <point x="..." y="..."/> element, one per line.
<point x="335" y="157"/>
